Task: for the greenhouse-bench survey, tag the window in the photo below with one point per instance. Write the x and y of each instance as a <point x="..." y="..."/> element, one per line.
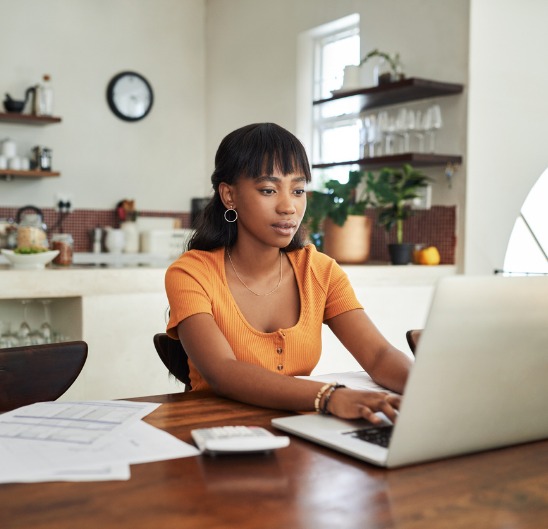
<point x="331" y="131"/>
<point x="335" y="129"/>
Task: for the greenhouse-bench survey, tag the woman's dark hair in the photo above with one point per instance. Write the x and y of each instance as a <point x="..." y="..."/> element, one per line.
<point x="249" y="152"/>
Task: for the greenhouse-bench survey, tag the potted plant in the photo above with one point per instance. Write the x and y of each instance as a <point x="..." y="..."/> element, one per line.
<point x="393" y="191"/>
<point x="388" y="70"/>
<point x="336" y="219"/>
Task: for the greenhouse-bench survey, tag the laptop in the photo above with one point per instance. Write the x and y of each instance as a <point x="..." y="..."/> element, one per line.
<point x="479" y="382"/>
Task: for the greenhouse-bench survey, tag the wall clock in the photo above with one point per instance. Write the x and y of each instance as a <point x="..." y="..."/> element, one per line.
<point x="129" y="96"/>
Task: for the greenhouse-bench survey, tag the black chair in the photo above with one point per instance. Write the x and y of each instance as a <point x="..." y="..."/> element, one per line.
<point x="174" y="357"/>
<point x="38" y="373"/>
<point x="413" y="336"/>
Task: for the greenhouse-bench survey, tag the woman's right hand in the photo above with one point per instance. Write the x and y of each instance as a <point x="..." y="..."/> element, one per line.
<point x="349" y="403"/>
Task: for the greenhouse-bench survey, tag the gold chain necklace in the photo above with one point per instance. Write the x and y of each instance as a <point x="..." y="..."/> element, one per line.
<point x="252" y="291"/>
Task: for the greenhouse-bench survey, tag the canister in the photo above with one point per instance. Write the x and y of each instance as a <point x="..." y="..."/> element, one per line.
<point x="64" y="243"/>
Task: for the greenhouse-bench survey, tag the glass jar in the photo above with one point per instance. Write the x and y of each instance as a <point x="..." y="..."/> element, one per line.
<point x="31" y="230"/>
<point x="64" y="243"/>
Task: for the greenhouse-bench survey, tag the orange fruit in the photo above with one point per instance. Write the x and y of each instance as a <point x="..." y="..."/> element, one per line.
<point x="429" y="256"/>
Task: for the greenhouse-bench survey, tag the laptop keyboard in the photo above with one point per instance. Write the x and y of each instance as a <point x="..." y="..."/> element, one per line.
<point x="377" y="435"/>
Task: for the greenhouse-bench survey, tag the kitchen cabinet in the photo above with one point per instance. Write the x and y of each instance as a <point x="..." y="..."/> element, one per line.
<point x="117" y="311"/>
<point x="406" y="90"/>
<point x="32" y="120"/>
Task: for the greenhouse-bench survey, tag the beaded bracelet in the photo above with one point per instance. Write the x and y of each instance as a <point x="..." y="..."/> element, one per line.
<point x="320" y="394"/>
<point x="332" y="389"/>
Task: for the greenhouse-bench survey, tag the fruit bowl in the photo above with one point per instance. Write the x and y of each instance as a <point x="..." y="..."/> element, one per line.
<point x="30" y="261"/>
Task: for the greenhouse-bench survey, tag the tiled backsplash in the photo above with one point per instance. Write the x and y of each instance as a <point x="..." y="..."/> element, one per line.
<point x="80" y="222"/>
<point x="435" y="226"/>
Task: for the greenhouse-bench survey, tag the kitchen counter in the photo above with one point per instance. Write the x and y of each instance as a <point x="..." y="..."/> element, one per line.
<point x="113" y="260"/>
<point x="117" y="311"/>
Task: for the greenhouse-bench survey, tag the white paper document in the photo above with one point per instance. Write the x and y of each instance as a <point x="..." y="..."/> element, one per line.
<point x="351" y="379"/>
<point x="81" y="441"/>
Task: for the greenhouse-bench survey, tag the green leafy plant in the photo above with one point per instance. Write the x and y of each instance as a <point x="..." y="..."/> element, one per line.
<point x="336" y="201"/>
<point x="393" y="190"/>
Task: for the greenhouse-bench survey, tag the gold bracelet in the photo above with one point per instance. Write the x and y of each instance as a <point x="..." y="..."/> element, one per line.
<point x="332" y="389"/>
<point x="320" y="394"/>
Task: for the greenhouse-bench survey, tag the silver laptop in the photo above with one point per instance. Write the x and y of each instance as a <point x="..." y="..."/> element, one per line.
<point x="480" y="379"/>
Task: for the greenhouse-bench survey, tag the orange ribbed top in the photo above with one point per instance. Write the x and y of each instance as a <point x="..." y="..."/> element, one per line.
<point x="196" y="283"/>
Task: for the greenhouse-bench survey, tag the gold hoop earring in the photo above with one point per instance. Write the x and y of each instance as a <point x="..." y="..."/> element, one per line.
<point x="235" y="215"/>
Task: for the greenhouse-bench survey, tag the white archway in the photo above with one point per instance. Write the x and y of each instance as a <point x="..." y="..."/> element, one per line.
<point x="527" y="250"/>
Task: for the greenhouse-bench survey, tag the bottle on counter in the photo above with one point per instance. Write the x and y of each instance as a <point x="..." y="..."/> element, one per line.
<point x="64" y="243"/>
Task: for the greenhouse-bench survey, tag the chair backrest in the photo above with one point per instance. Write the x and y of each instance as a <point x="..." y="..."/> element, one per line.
<point x="37" y="373"/>
<point x="413" y="336"/>
<point x="174" y="357"/>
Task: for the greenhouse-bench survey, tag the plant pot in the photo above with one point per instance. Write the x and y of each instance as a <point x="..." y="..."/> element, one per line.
<point x="350" y="243"/>
<point x="401" y="254"/>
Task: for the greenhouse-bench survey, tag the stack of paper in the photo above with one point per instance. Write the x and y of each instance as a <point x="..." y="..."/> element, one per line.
<point x="81" y="441"/>
<point x="351" y="379"/>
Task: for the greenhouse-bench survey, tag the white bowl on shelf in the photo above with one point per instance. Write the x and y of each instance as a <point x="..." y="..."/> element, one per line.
<point x="30" y="261"/>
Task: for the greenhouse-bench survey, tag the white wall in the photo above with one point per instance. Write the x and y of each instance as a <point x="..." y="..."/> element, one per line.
<point x="252" y="64"/>
<point x="82" y="44"/>
<point x="508" y="113"/>
<point x="218" y="64"/>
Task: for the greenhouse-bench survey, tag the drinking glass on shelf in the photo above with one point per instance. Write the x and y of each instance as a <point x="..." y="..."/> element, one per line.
<point x="405" y="125"/>
<point x="374" y="136"/>
<point x="387" y="127"/>
<point x="23" y="334"/>
<point x="410" y="123"/>
<point x="434" y="123"/>
<point x="7" y="338"/>
<point x="45" y="329"/>
<point x="420" y="120"/>
<point x="362" y="125"/>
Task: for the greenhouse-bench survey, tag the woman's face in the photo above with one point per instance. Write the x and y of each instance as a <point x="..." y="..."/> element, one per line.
<point x="270" y="207"/>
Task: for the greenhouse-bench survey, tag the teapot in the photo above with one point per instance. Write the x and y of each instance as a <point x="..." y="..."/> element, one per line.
<point x="31" y="230"/>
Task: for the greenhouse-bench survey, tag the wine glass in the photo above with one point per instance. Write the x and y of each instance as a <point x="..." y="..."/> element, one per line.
<point x="405" y="124"/>
<point x="410" y="123"/>
<point x="420" y="122"/>
<point x="386" y="126"/>
<point x="362" y="125"/>
<point x="7" y="338"/>
<point x="23" y="334"/>
<point x="374" y="136"/>
<point x="45" y="329"/>
<point x="434" y="123"/>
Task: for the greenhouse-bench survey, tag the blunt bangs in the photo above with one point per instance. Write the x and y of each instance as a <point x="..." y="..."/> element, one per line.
<point x="258" y="149"/>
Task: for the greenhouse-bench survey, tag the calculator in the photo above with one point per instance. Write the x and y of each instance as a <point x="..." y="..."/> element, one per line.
<point x="237" y="439"/>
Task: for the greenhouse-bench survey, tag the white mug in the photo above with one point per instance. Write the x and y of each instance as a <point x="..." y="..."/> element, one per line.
<point x="3" y="162"/>
<point x="9" y="148"/>
<point x="14" y="163"/>
<point x="114" y="240"/>
<point x="25" y="163"/>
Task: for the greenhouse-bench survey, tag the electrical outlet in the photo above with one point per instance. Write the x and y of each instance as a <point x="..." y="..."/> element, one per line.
<point x="63" y="202"/>
<point x="424" y="200"/>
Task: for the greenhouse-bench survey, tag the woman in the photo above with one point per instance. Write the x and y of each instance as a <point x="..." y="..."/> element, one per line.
<point x="248" y="298"/>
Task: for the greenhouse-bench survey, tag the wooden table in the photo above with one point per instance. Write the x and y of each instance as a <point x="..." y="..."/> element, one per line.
<point x="302" y="486"/>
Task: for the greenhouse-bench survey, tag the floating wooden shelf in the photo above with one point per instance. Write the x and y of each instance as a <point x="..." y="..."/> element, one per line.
<point x="28" y="119"/>
<point x="415" y="159"/>
<point x="8" y="174"/>
<point x="411" y="89"/>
